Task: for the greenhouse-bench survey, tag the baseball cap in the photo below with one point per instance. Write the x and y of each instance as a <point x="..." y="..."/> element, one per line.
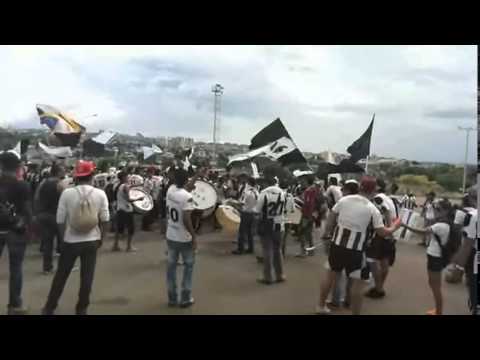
<point x="84" y="168"/>
<point x="368" y="184"/>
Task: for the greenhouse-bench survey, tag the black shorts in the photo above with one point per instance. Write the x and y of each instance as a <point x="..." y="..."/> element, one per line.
<point x="434" y="263"/>
<point x="352" y="261"/>
<point x="125" y="220"/>
<point x="381" y="249"/>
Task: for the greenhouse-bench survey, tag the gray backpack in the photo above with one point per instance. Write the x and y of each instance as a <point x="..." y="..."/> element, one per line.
<point x="85" y="215"/>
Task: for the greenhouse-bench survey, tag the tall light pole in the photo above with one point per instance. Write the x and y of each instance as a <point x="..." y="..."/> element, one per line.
<point x="217" y="90"/>
<point x="467" y="130"/>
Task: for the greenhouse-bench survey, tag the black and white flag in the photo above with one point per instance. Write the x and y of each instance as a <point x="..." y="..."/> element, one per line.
<point x="273" y="142"/>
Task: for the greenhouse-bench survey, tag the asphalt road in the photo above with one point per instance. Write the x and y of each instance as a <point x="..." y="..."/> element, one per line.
<point x="224" y="284"/>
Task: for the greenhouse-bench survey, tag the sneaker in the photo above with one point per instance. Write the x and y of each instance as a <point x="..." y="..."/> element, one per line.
<point x="432" y="312"/>
<point x="47" y="312"/>
<point x="333" y="304"/>
<point x="322" y="310"/>
<point x="311" y="252"/>
<point x="17" y="310"/>
<point x="57" y="254"/>
<point x="281" y="279"/>
<point x="131" y="249"/>
<point x="186" y="304"/>
<point x="238" y="252"/>
<point x="301" y="255"/>
<point x="76" y="268"/>
<point x="264" y="282"/>
<point x="48" y="272"/>
<point x="375" y="294"/>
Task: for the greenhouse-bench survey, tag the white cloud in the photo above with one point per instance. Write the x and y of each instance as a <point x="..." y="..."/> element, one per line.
<point x="324" y="94"/>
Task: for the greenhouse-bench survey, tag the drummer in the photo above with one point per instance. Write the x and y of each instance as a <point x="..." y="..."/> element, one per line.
<point x="125" y="216"/>
<point x="245" y="232"/>
<point x="148" y="186"/>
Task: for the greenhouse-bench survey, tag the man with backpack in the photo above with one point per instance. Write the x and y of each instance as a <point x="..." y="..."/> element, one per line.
<point x="15" y="218"/>
<point x="82" y="219"/>
<point x="45" y="205"/>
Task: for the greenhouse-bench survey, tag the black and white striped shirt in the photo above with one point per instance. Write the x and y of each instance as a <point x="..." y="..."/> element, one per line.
<point x="355" y="213"/>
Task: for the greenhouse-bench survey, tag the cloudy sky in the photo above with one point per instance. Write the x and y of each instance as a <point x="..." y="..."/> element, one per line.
<point x="325" y="95"/>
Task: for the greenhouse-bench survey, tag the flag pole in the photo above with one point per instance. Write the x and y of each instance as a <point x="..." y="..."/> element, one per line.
<point x="366" y="165"/>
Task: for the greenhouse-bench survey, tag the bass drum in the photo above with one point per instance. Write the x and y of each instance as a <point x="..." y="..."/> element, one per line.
<point x="100" y="181"/>
<point x="205" y="198"/>
<point x="144" y="204"/>
<point x="229" y="218"/>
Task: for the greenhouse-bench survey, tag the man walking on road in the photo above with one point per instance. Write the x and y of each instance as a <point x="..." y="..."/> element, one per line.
<point x="82" y="219"/>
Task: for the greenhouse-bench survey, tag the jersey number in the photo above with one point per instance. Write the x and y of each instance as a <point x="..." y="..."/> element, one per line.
<point x="172" y="214"/>
<point x="275" y="208"/>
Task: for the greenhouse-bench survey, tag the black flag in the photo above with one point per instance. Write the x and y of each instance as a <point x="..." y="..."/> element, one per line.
<point x="275" y="143"/>
<point x="360" y="149"/>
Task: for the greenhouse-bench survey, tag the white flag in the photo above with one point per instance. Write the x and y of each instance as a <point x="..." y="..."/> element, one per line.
<point x="58" y="151"/>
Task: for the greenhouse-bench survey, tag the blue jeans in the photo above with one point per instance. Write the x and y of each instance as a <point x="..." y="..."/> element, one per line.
<point x="175" y="249"/>
<point x="17" y="245"/>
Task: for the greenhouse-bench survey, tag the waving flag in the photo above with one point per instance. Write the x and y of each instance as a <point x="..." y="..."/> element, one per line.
<point x="67" y="130"/>
<point x="273" y="142"/>
<point x="149" y="151"/>
<point x="360" y="148"/>
<point x="60" y="152"/>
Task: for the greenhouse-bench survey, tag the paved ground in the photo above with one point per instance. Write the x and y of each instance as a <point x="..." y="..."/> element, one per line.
<point x="225" y="284"/>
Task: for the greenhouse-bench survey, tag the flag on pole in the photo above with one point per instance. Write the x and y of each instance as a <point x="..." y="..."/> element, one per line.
<point x="66" y="129"/>
<point x="273" y="142"/>
<point x="360" y="148"/>
<point x="60" y="152"/>
<point x="149" y="151"/>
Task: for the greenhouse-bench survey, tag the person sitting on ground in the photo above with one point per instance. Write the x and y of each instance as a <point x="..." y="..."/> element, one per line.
<point x="438" y="234"/>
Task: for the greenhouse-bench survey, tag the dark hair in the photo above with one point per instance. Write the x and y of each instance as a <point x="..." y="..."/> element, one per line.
<point x="121" y="175"/>
<point x="251" y="181"/>
<point x="181" y="178"/>
<point x="446" y="206"/>
<point x="87" y="178"/>
<point x="270" y="180"/>
<point x="381" y="185"/>
<point x="56" y="169"/>
<point x="9" y="161"/>
<point x="431" y="193"/>
<point x="333" y="181"/>
<point x="310" y="180"/>
<point x="351" y="187"/>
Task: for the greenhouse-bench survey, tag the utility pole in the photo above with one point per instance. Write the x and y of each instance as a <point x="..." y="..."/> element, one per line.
<point x="217" y="90"/>
<point x="467" y="131"/>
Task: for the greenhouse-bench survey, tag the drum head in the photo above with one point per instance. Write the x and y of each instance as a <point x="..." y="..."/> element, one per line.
<point x="141" y="206"/>
<point x="204" y="195"/>
<point x="229" y="218"/>
<point x="135" y="180"/>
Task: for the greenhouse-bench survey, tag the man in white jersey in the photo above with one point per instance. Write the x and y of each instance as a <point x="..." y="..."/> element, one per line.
<point x="271" y="208"/>
<point x="181" y="239"/>
<point x="351" y="218"/>
<point x="245" y="232"/>
<point x="381" y="251"/>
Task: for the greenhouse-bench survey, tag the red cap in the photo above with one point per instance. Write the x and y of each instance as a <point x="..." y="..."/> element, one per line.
<point x="84" y="168"/>
<point x="368" y="184"/>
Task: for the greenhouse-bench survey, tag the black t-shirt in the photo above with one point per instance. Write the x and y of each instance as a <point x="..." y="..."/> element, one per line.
<point x="17" y="193"/>
<point x="48" y="197"/>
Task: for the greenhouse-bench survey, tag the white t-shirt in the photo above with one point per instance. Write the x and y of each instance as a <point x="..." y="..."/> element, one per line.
<point x="335" y="191"/>
<point x="355" y="212"/>
<point x="443" y="231"/>
<point x="429" y="211"/>
<point x="388" y="204"/>
<point x="122" y="200"/>
<point x="249" y="199"/>
<point x="67" y="203"/>
<point x="178" y="201"/>
<point x="470" y="231"/>
<point x="274" y="197"/>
